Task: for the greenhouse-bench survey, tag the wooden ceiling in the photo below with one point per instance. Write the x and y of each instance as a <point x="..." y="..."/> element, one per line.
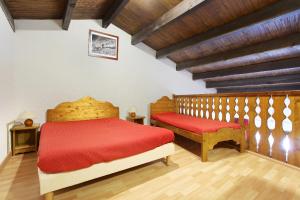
<point x="234" y="45"/>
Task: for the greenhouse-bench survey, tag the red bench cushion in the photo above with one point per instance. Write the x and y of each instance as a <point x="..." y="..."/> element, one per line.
<point x="193" y="124"/>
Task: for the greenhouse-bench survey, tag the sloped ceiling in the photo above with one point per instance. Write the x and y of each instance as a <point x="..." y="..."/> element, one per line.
<point x="234" y="45"/>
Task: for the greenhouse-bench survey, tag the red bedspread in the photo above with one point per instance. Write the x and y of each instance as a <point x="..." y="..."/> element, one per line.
<point x="67" y="146"/>
<point x="193" y="124"/>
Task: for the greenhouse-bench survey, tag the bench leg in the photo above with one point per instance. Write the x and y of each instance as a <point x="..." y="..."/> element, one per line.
<point x="49" y="196"/>
<point x="243" y="142"/>
<point x="242" y="146"/>
<point x="204" y="151"/>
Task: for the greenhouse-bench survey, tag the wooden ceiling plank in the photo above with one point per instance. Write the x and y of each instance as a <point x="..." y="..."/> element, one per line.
<point x="268" y="66"/>
<point x="8" y="15"/>
<point x="113" y="12"/>
<point x="291" y="78"/>
<point x="264" y="88"/>
<point x="270" y="45"/>
<point x="183" y="8"/>
<point x="269" y="13"/>
<point x="68" y="14"/>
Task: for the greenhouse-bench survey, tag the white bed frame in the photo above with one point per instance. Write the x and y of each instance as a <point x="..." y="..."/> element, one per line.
<point x="52" y="182"/>
<point x="89" y="108"/>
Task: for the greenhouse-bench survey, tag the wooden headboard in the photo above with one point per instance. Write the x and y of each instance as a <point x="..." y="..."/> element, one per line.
<point x="164" y="104"/>
<point x="83" y="109"/>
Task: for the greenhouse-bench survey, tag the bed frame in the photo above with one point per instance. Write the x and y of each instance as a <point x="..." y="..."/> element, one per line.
<point x="208" y="140"/>
<point x="85" y="109"/>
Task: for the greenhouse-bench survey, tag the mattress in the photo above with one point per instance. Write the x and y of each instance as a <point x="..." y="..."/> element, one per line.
<point x="193" y="124"/>
<point x="69" y="146"/>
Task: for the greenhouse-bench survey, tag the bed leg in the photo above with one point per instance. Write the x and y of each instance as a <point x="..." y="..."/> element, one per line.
<point x="49" y="196"/>
<point x="204" y="151"/>
<point x="166" y="160"/>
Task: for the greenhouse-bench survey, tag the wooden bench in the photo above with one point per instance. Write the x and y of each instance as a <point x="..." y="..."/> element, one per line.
<point x="208" y="139"/>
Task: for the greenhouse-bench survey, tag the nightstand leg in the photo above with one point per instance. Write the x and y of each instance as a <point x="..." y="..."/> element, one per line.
<point x="35" y="140"/>
<point x="13" y="145"/>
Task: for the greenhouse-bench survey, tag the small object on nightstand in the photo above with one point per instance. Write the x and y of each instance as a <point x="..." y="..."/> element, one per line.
<point x="27" y="118"/>
<point x="28" y="122"/>
<point x="136" y="119"/>
<point x="132" y="112"/>
<point x="24" y="138"/>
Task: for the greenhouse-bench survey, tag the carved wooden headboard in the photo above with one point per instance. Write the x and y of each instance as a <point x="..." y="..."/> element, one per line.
<point x="164" y="104"/>
<point x="83" y="109"/>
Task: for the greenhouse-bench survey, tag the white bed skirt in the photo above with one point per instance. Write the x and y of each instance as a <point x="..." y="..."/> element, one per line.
<point x="53" y="182"/>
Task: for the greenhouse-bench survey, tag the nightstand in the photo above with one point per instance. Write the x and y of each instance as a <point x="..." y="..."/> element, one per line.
<point x="136" y="119"/>
<point x="24" y="139"/>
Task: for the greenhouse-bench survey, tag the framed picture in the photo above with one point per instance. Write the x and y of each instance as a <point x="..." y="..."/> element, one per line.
<point x="103" y="45"/>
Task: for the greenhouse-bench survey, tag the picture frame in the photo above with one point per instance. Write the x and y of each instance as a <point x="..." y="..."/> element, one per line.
<point x="103" y="45"/>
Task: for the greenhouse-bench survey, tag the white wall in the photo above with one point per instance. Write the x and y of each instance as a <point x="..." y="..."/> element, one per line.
<point x="7" y="104"/>
<point x="52" y="66"/>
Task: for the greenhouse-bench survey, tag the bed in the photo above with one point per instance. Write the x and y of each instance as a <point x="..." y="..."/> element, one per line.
<point x="205" y="131"/>
<point x="85" y="140"/>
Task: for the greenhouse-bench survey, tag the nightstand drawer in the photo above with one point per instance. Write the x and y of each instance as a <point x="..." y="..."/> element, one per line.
<point x="24" y="148"/>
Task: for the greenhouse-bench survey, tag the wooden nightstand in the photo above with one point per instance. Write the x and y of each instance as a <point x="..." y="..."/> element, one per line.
<point x="136" y="119"/>
<point x="24" y="139"/>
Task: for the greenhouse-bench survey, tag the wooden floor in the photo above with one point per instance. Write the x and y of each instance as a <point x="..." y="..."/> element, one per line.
<point x="227" y="175"/>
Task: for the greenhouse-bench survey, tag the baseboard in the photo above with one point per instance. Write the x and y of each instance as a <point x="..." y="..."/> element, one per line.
<point x="274" y="160"/>
<point x="4" y="162"/>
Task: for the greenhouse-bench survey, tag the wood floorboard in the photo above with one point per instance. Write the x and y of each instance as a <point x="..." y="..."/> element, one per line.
<point x="227" y="175"/>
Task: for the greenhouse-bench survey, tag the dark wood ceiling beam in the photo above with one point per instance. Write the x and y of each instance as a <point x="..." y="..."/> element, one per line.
<point x="261" y="88"/>
<point x="183" y="8"/>
<point x="68" y="14"/>
<point x="268" y="66"/>
<point x="279" y="72"/>
<point x="8" y="15"/>
<point x="269" y="13"/>
<point x="113" y="12"/>
<point x="284" y="42"/>
<point x="292" y="78"/>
